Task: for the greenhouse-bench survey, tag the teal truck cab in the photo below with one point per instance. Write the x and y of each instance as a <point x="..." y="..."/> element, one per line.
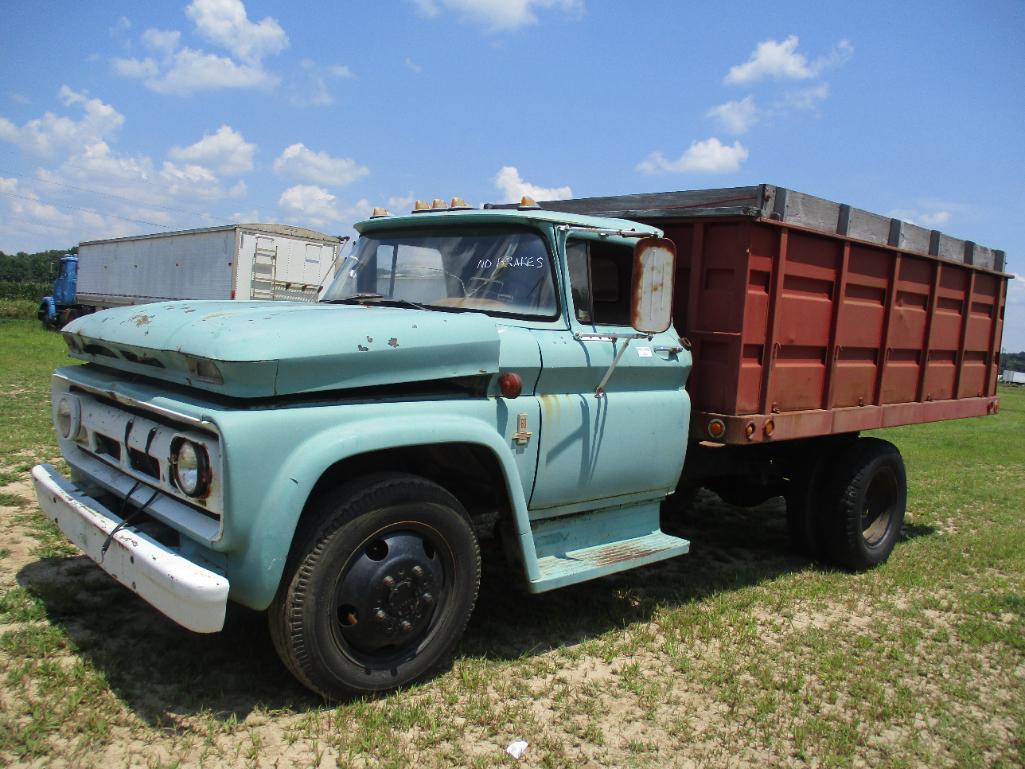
<point x="332" y="464"/>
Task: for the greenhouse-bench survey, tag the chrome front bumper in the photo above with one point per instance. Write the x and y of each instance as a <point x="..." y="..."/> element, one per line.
<point x="191" y="595"/>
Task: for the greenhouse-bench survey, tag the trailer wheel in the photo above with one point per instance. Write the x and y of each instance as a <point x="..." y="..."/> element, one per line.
<point x="866" y="502"/>
<point x="380" y="592"/>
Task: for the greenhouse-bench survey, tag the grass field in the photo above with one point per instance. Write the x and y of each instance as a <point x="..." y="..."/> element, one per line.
<point x="739" y="654"/>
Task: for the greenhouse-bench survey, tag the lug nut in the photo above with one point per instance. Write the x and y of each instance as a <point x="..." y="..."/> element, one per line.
<point x="389" y="581"/>
<point x="380" y="616"/>
<point x="428" y="598"/>
<point x="405" y="626"/>
<point x="418" y="571"/>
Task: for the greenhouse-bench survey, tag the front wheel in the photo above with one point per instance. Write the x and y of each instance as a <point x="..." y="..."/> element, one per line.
<point x="380" y="592"/>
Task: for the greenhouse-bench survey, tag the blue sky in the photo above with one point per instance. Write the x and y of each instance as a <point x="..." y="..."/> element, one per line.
<point x="123" y="117"/>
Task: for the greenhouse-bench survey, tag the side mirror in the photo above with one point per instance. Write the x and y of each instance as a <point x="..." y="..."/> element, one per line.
<point x="651" y="300"/>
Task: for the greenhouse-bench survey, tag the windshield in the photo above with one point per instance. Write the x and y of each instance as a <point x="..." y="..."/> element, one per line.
<point x="493" y="270"/>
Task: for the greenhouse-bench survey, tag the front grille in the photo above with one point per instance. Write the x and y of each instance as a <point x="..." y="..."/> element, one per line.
<point x="107" y="445"/>
<point x="143" y="447"/>
<point x="144" y="463"/>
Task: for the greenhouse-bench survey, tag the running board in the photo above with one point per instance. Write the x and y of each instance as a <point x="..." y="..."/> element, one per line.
<point x="580" y="547"/>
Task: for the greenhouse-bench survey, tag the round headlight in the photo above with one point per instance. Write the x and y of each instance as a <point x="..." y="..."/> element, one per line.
<point x="191" y="468"/>
<point x="69" y="416"/>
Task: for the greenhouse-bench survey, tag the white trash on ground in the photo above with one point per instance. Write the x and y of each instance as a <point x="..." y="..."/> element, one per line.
<point x="517" y="749"/>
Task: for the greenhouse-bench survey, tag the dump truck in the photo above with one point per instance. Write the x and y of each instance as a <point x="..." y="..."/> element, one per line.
<point x="235" y="261"/>
<point x="551" y="374"/>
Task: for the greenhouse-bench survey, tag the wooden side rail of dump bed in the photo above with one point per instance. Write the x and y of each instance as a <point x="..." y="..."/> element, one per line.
<point x="809" y="318"/>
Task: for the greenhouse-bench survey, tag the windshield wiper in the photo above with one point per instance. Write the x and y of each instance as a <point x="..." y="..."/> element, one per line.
<point x="371" y="298"/>
<point x="358" y="298"/>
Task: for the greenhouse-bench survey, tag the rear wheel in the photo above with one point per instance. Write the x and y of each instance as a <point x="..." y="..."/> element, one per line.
<point x="866" y="500"/>
<point x="379" y="594"/>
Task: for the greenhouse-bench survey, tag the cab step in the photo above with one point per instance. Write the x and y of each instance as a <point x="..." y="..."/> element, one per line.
<point x="576" y="548"/>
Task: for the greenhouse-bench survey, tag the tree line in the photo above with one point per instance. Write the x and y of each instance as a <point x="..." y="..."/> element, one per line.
<point x="30" y="268"/>
<point x="1012" y="361"/>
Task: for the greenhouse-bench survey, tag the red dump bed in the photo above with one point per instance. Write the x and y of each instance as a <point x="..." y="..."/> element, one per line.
<point x="808" y="317"/>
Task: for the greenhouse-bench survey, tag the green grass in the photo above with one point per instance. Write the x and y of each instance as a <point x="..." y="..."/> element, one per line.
<point x="740" y="653"/>
<point x="18" y="309"/>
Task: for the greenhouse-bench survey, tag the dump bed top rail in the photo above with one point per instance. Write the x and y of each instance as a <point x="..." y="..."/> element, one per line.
<point x="769" y="201"/>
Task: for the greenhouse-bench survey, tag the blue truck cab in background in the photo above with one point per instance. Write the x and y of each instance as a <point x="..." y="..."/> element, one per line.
<point x="60" y="308"/>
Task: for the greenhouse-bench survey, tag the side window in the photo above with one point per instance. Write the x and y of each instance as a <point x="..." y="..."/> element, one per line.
<point x="600" y="276"/>
<point x="579" y="280"/>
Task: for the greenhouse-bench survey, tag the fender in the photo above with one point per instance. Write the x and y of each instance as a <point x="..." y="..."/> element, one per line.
<point x="255" y="570"/>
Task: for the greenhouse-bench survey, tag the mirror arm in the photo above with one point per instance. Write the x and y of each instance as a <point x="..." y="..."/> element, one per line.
<point x="599" y="391"/>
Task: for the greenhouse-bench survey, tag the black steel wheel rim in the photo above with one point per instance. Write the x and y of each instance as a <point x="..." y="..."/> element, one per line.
<point x="392" y="594"/>
<point x="879" y="507"/>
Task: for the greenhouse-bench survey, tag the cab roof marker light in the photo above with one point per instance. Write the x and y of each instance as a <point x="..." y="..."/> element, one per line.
<point x="439" y="205"/>
<point x="378" y="212"/>
<point x="527" y="202"/>
<point x="420" y="206"/>
<point x="458" y="204"/>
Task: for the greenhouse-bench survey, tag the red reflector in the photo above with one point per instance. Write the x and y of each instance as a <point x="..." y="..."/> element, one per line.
<point x="510" y="385"/>
<point x="232" y="293"/>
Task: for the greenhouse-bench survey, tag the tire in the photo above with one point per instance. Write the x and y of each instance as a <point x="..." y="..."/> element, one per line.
<point x="379" y="593"/>
<point x="866" y="501"/>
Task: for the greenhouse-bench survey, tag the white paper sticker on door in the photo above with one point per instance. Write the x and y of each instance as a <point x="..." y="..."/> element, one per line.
<point x="643" y="352"/>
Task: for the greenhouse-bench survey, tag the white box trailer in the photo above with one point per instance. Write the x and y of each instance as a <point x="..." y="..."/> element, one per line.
<point x="237" y="261"/>
<point x="1013" y="377"/>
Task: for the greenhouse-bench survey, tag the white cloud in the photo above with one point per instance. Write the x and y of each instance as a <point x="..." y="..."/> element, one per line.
<point x="340" y="70"/>
<point x="513" y="187"/>
<point x="399" y="204"/>
<point x="708" y="156"/>
<point x="26" y="204"/>
<point x="313" y="90"/>
<point x="497" y="15"/>
<point x="121" y="26"/>
<point x="189" y="71"/>
<point x="300" y="163"/>
<point x="163" y="40"/>
<point x="932" y="219"/>
<point x="413" y="67"/>
<point x="310" y="204"/>
<point x="49" y="134"/>
<point x="736" y="117"/>
<point x="225" y="150"/>
<point x="135" y="68"/>
<point x="781" y="60"/>
<point x="806" y="98"/>
<point x="226" y="23"/>
<point x="182" y="71"/>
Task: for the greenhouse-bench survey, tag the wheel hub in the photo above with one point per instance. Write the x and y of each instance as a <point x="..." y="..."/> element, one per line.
<point x="390" y="590"/>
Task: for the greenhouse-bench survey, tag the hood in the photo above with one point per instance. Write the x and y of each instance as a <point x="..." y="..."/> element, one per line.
<point x="260" y="349"/>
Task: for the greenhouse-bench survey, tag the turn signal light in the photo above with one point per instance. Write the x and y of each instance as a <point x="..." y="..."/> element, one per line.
<point x="510" y="385"/>
<point x="717" y="428"/>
